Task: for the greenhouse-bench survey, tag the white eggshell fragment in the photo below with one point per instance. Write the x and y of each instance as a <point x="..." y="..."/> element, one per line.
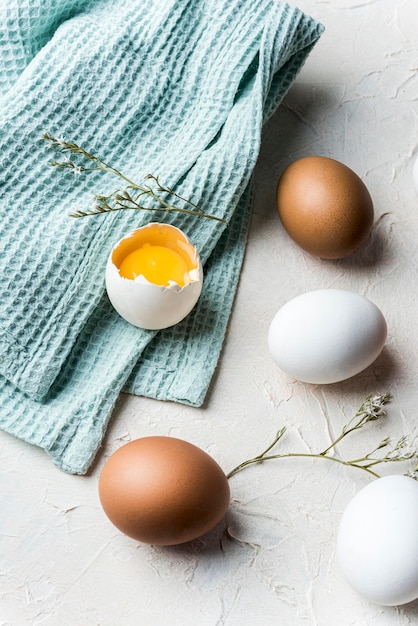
<point x="145" y="304"/>
<point x="327" y="335"/>
<point x="377" y="543"/>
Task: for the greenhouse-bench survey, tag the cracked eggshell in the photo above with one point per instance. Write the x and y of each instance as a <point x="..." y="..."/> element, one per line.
<point x="142" y="303"/>
<point x="326" y="335"/>
<point x="377" y="543"/>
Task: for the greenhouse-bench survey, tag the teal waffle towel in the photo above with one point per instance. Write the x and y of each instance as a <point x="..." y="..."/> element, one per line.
<point x="179" y="89"/>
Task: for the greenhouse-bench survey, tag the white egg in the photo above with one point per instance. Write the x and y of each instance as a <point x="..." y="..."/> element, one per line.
<point x="377" y="544"/>
<point x="415" y="174"/>
<point x="327" y="335"/>
<point x="143" y="299"/>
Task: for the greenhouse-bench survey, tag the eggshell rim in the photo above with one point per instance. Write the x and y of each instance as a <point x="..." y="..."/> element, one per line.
<point x="195" y="273"/>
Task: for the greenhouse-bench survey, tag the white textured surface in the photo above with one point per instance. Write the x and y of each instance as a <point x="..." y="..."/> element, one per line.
<point x="61" y="562"/>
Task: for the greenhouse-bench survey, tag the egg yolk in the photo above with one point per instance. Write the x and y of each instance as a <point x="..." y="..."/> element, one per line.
<point x="158" y="264"/>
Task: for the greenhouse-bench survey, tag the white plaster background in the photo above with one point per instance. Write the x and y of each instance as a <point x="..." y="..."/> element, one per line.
<point x="272" y="561"/>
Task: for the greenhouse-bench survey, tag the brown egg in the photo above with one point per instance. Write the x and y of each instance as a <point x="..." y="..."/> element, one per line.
<point x="324" y="207"/>
<point x="163" y="490"/>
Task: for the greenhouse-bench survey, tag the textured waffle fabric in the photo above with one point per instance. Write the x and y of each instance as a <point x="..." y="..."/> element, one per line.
<point x="179" y="89"/>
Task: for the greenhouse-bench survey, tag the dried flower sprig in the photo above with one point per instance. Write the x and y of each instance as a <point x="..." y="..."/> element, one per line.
<point x="371" y="410"/>
<point x="127" y="198"/>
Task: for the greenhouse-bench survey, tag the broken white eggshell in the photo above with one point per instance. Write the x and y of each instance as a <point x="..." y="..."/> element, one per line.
<point x="143" y="303"/>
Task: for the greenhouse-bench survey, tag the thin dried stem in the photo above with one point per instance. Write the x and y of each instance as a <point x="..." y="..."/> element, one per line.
<point x="370" y="410"/>
<point x="122" y="200"/>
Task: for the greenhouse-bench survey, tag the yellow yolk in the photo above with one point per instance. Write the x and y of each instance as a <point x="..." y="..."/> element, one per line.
<point x="157" y="264"/>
